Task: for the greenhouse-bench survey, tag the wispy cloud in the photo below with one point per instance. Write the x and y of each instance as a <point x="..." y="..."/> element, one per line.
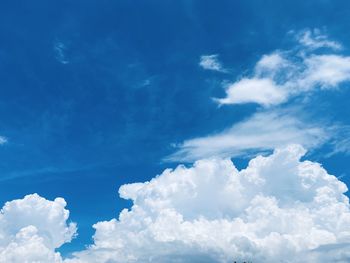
<point x="60" y="52"/>
<point x="263" y="131"/>
<point x="211" y="62"/>
<point x="3" y="140"/>
<point x="314" y="39"/>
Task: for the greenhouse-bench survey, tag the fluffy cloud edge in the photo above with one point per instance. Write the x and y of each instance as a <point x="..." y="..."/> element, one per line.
<point x="208" y="212"/>
<point x="284" y="74"/>
<point x="32" y="228"/>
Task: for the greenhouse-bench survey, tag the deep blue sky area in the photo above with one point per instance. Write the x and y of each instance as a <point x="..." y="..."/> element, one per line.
<point x="95" y="93"/>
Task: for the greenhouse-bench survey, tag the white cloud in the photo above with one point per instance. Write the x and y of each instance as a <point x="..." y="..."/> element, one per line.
<point x="270" y="64"/>
<point x="263" y="131"/>
<point x="3" y="140"/>
<point x="278" y="209"/>
<point x="327" y="71"/>
<point x="278" y="76"/>
<point x="32" y="228"/>
<point x="259" y="90"/>
<point x="211" y="62"/>
<point x="314" y="39"/>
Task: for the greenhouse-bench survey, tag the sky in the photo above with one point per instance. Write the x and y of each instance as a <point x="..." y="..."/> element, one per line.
<point x="248" y="99"/>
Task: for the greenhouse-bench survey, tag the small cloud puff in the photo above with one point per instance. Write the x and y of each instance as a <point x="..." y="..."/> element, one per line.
<point x="211" y="62"/>
<point x="3" y="140"/>
<point x="260" y="90"/>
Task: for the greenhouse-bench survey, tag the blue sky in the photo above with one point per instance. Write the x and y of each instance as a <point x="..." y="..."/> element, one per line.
<point x="97" y="94"/>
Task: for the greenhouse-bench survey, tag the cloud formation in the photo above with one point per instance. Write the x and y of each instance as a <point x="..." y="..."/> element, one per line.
<point x="314" y="39"/>
<point x="263" y="131"/>
<point x="278" y="209"/>
<point x="275" y="79"/>
<point x="3" y="140"/>
<point x="211" y="62"/>
<point x="281" y="75"/>
<point x="32" y="228"/>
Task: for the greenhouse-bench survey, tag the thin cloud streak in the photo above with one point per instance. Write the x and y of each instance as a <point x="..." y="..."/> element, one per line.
<point x="263" y="131"/>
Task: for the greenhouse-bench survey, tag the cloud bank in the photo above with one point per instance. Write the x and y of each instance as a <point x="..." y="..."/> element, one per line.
<point x="278" y="209"/>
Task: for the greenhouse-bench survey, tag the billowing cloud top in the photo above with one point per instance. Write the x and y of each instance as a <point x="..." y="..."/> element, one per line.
<point x="32" y="228"/>
<point x="278" y="209"/>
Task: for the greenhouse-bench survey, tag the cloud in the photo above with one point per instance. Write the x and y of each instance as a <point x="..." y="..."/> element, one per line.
<point x="60" y="52"/>
<point x="275" y="79"/>
<point x="278" y="209"/>
<point x="211" y="62"/>
<point x="314" y="39"/>
<point x="3" y="140"/>
<point x="209" y="212"/>
<point x="32" y="228"/>
<point x="281" y="75"/>
<point x="260" y="90"/>
<point x="326" y="71"/>
<point x="263" y="131"/>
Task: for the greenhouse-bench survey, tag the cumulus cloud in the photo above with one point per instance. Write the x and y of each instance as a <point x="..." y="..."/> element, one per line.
<point x="32" y="228"/>
<point x="278" y="209"/>
<point x="211" y="62"/>
<point x="263" y="131"/>
<point x="283" y="74"/>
